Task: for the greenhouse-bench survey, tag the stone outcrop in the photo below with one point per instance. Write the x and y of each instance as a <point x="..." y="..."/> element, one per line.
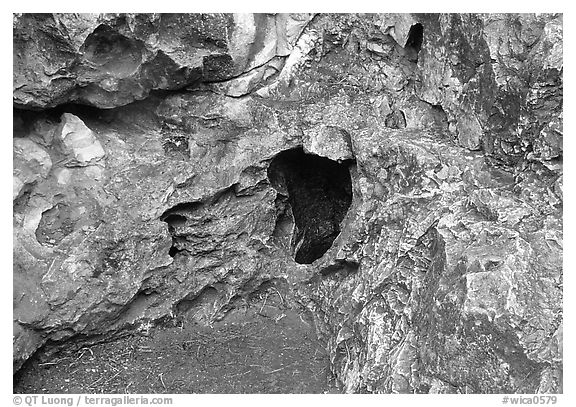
<point x="110" y="60"/>
<point x="433" y="246"/>
<point x="489" y="72"/>
<point x="448" y="269"/>
<point x="78" y="142"/>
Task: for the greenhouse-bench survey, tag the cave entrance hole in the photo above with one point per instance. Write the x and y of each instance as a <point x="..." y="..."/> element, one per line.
<point x="414" y="42"/>
<point x="314" y="195"/>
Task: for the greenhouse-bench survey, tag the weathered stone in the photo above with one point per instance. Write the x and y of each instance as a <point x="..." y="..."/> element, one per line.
<point x="447" y="258"/>
<point x="31" y="163"/>
<point x="419" y="114"/>
<point x="488" y="73"/>
<point x="330" y="142"/>
<point x="109" y="60"/>
<point x="78" y="142"/>
<point x="99" y="274"/>
<point x="466" y="261"/>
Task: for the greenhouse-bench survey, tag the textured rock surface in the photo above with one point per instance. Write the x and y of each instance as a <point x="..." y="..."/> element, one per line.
<point x="446" y="275"/>
<point x="498" y="77"/>
<point x="330" y="142"/>
<point x="109" y="60"/>
<point x="78" y="142"/>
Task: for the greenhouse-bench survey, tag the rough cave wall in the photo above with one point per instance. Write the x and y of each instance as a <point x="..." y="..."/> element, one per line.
<point x="449" y="258"/>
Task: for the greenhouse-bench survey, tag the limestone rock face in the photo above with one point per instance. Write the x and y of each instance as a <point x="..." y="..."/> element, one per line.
<point x="491" y="73"/>
<point x="93" y="242"/>
<point x="444" y="269"/>
<point x="448" y="268"/>
<point x="109" y="60"/>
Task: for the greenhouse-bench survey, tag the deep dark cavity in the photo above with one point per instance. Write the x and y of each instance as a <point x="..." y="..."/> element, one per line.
<point x="414" y="41"/>
<point x="314" y="194"/>
<point x="176" y="218"/>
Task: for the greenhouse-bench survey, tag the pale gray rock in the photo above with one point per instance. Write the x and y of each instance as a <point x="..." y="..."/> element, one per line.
<point x="328" y="141"/>
<point x="78" y="142"/>
<point x="491" y="73"/>
<point x="30" y="164"/>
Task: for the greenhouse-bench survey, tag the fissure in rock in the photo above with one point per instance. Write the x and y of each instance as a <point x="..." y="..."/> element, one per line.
<point x="176" y="219"/>
<point x="314" y="194"/>
<point x="414" y="42"/>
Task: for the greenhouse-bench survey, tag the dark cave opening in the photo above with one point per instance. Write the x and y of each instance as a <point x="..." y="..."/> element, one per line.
<point x="177" y="218"/>
<point x="414" y="42"/>
<point x="316" y="193"/>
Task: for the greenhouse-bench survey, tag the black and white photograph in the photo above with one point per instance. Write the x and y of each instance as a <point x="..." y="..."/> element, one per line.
<point x="287" y="203"/>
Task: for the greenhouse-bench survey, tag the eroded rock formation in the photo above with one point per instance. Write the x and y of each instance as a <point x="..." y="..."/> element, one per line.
<point x="403" y="173"/>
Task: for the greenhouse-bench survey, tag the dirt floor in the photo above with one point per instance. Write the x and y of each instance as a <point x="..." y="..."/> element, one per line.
<point x="263" y="348"/>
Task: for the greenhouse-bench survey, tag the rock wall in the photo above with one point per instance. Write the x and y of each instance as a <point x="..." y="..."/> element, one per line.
<point x="143" y="148"/>
<point x="109" y="60"/>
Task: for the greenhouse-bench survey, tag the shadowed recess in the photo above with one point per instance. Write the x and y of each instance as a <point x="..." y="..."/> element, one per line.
<point x="114" y="52"/>
<point x="318" y="192"/>
<point x="176" y="218"/>
<point x="414" y="41"/>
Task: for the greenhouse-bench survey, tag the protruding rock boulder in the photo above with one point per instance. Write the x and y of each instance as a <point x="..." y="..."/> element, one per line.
<point x="328" y="141"/>
<point x="78" y="142"/>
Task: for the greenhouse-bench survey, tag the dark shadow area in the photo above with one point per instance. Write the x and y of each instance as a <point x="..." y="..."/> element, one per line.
<point x="176" y="218"/>
<point x="414" y="41"/>
<point x="25" y="121"/>
<point x="318" y="192"/>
